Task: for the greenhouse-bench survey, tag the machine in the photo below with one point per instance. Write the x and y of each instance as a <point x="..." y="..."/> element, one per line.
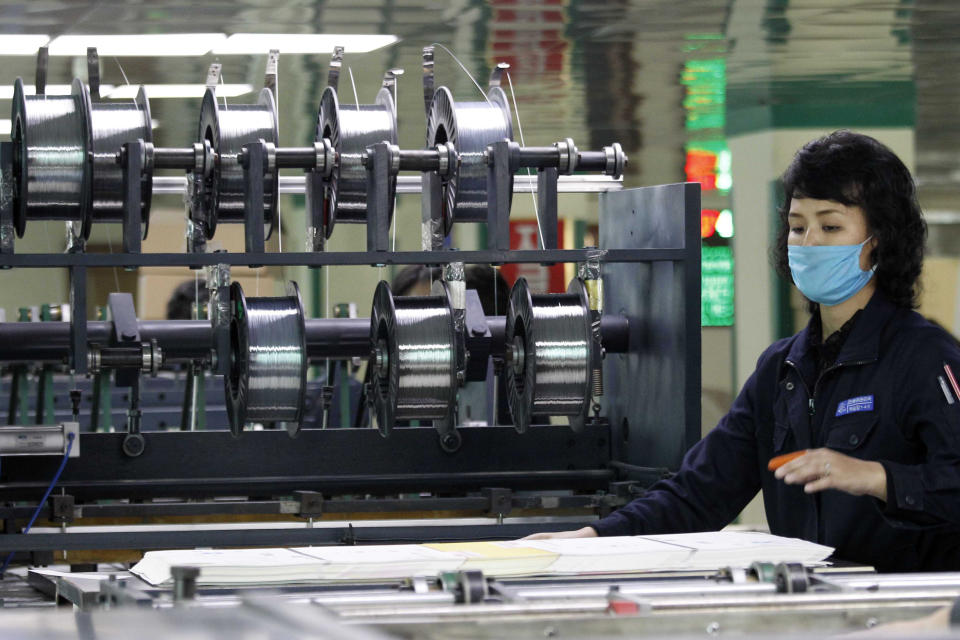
<point x="602" y="381"/>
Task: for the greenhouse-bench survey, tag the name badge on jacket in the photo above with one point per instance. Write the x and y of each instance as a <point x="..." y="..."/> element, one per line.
<point x="853" y="405"/>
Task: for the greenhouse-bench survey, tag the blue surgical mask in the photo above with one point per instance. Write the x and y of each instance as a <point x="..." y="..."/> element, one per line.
<point x="828" y="274"/>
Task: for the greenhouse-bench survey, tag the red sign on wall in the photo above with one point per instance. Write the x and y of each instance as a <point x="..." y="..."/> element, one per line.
<point x="524" y="236"/>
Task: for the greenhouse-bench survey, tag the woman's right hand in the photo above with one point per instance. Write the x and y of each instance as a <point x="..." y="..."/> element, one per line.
<point x="586" y="532"/>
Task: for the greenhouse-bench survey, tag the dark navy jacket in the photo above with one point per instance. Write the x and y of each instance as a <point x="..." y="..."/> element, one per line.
<point x="880" y="401"/>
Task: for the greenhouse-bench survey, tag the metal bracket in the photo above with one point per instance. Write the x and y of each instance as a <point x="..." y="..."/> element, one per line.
<point x="134" y="156"/>
<point x="547" y="206"/>
<point x="7" y="231"/>
<point x="428" y="80"/>
<point x="499" y="500"/>
<point x="197" y="200"/>
<point x="126" y="331"/>
<point x="478" y="338"/>
<point x="502" y="162"/>
<point x="114" y="593"/>
<point x="75" y="240"/>
<point x="219" y="312"/>
<point x="271" y="79"/>
<point x="255" y="167"/>
<point x="61" y="508"/>
<point x="126" y="328"/>
<point x="310" y="504"/>
<point x="431" y="212"/>
<point x="93" y="73"/>
<point x="184" y="582"/>
<point x="336" y="62"/>
<point x="43" y="58"/>
<point x="496" y="74"/>
<point x="316" y="227"/>
<point x="390" y="80"/>
<point x="379" y="198"/>
<point x="78" y="319"/>
<point x="213" y="75"/>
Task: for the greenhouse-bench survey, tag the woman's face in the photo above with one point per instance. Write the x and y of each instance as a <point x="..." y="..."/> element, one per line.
<point x="826" y="222"/>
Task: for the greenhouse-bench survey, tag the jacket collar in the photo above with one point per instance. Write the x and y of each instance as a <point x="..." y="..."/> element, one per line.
<point x="863" y="343"/>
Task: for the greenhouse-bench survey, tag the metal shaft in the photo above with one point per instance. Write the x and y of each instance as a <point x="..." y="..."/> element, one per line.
<point x="189" y="339"/>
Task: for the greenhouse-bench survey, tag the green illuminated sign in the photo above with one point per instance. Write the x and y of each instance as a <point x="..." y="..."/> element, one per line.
<point x="716" y="283"/>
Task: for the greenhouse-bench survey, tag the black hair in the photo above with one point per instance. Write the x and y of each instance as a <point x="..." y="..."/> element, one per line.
<point x="412" y="275"/>
<point x="179" y="306"/>
<point x="857" y="170"/>
<point x="479" y="277"/>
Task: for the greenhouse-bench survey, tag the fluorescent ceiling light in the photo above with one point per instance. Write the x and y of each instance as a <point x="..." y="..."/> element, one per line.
<point x="5" y="127"/>
<point x="178" y="91"/>
<point x="21" y="44"/>
<point x="261" y="43"/>
<point x="144" y="44"/>
<point x="6" y="91"/>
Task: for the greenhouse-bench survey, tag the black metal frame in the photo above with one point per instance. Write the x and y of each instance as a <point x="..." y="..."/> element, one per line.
<point x="268" y="466"/>
<point x="332" y="461"/>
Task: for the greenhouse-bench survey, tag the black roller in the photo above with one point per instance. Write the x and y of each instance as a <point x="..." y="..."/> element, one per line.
<point x="228" y="127"/>
<point x="547" y="348"/>
<point x="268" y="360"/>
<point x="413" y="368"/>
<point x="52" y="159"/>
<point x="470" y="127"/>
<point x="113" y="124"/>
<point x="351" y="129"/>
<point x="791" y="577"/>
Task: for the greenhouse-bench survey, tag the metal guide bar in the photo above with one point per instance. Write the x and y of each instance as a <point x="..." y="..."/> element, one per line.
<point x="490" y="256"/>
<point x="358" y="533"/>
<point x="175" y="185"/>
<point x="291" y="507"/>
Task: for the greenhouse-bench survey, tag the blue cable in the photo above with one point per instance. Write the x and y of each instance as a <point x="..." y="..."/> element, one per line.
<point x="53" y="483"/>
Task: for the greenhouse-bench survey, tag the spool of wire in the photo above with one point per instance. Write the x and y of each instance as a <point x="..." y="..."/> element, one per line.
<point x="228" y="127"/>
<point x="268" y="360"/>
<point x="113" y="124"/>
<point x="470" y="127"/>
<point x="547" y="357"/>
<point x="351" y="129"/>
<point x="52" y="172"/>
<point x="413" y="365"/>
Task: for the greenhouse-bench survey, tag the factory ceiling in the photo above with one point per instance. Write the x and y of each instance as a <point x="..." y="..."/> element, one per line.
<point x="661" y="76"/>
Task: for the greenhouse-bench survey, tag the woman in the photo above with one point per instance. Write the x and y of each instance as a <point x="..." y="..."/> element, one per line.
<point x="866" y="390"/>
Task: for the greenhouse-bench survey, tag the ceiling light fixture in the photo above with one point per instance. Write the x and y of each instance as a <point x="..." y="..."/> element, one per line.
<point x="261" y="43"/>
<point x="155" y="91"/>
<point x="144" y="44"/>
<point x="6" y="91"/>
<point x="21" y="44"/>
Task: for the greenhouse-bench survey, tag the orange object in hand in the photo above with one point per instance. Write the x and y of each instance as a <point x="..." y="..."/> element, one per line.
<point x="779" y="461"/>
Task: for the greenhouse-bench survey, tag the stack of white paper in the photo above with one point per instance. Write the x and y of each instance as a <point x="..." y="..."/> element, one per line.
<point x="717" y="549"/>
<point x="711" y="550"/>
<point x="381" y="562"/>
<point x="231" y="566"/>
<point x="611" y="555"/>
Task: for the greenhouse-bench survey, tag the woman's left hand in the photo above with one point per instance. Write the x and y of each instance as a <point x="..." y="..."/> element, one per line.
<point x="820" y="469"/>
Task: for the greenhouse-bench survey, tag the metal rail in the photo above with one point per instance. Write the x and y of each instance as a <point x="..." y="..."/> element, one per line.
<point x="374" y="258"/>
<point x="175" y="185"/>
